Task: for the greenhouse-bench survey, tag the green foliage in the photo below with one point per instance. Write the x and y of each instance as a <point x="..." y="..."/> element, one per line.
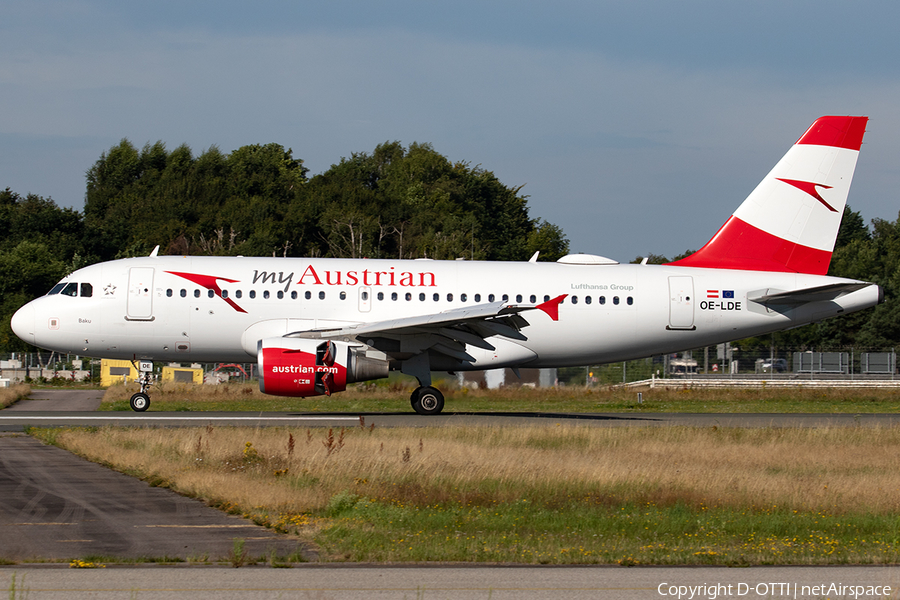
<point x="393" y="203"/>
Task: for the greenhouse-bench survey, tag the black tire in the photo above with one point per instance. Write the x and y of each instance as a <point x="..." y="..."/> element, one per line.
<point x="427" y="401"/>
<point x="140" y="402"/>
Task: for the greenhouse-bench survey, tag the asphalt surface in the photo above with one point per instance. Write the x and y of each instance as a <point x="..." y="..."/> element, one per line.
<point x="55" y="505"/>
<point x="58" y="400"/>
<point x="17" y="420"/>
<point x="453" y="582"/>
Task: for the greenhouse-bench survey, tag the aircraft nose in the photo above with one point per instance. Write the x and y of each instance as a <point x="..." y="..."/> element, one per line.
<point x="22" y="323"/>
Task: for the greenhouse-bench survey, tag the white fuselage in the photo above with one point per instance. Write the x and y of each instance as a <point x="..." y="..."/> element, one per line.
<point x="213" y="309"/>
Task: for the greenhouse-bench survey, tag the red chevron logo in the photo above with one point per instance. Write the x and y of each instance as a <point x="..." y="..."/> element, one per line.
<point x="810" y="188"/>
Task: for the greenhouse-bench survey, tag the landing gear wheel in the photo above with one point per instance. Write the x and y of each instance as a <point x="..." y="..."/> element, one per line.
<point x="427" y="401"/>
<point x="140" y="402"/>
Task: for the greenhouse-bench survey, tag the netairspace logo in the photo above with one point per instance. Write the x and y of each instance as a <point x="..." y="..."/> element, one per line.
<point x="771" y="590"/>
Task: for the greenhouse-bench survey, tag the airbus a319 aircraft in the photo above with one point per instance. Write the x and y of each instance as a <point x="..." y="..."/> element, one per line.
<point x="316" y="325"/>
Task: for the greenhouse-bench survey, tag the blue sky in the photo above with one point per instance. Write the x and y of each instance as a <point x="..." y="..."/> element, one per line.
<point x="635" y="126"/>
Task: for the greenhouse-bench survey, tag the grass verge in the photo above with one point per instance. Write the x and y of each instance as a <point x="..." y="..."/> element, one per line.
<point x="370" y="398"/>
<point x="562" y="495"/>
<point x="12" y="394"/>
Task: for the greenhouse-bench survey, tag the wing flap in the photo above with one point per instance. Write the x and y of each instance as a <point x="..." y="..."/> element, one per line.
<point x="447" y="332"/>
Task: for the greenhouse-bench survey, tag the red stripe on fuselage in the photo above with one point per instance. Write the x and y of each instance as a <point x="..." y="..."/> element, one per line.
<point x="840" y="132"/>
<point x="739" y="245"/>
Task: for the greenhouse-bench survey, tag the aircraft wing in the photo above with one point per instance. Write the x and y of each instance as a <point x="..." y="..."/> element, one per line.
<point x="446" y="332"/>
<point x="813" y="294"/>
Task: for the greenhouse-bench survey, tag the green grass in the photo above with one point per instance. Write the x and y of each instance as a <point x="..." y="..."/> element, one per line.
<point x="584" y="532"/>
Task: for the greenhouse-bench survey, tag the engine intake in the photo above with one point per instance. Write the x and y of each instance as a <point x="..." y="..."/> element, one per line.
<point x="300" y="367"/>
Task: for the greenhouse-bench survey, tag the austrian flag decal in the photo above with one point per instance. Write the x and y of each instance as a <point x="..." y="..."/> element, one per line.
<point x="715" y="294"/>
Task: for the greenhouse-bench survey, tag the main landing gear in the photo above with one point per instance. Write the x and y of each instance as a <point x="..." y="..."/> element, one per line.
<point x="427" y="400"/>
<point x="141" y="401"/>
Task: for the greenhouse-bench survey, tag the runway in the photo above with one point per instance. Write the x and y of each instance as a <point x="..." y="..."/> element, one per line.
<point x="12" y="421"/>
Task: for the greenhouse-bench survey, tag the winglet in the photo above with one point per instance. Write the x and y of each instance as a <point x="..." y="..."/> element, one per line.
<point x="551" y="307"/>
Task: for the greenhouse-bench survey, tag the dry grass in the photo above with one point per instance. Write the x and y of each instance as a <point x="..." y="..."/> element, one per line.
<point x="187" y="391"/>
<point x="834" y="470"/>
<point x="538" y="495"/>
<point x="13" y="394"/>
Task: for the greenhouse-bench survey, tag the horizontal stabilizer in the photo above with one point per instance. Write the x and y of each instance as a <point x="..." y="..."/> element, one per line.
<point x="813" y="294"/>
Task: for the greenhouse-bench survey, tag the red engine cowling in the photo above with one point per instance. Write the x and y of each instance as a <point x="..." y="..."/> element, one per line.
<point x="301" y="367"/>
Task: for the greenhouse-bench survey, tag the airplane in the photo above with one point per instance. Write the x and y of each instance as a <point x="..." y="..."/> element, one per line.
<point x="315" y="325"/>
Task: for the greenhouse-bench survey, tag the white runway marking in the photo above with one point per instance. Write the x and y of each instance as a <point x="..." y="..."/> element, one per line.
<point x="173" y="418"/>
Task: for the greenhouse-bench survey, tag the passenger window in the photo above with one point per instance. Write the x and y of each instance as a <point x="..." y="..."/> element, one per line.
<point x="574" y="299"/>
<point x="71" y="289"/>
<point x="408" y="296"/>
<point x="210" y="293"/>
<point x="477" y="297"/>
<point x="87" y="290"/>
<point x="237" y="294"/>
<point x="421" y="297"/>
<point x="630" y="300"/>
<point x="224" y="293"/>
<point x="546" y="298"/>
<point x="506" y="297"/>
<point x="365" y="296"/>
<point x="169" y="293"/>
<point x="253" y="293"/>
<point x="308" y="295"/>
<point x="602" y="299"/>
<point x="266" y="294"/>
<point x="293" y="295"/>
<point x="196" y="293"/>
<point x="587" y="299"/>
<point x="321" y="295"/>
<point x="490" y="297"/>
<point x="343" y="295"/>
<point x="449" y="297"/>
<point x="532" y="299"/>
<point x="463" y="297"/>
<point x="394" y="296"/>
<point x="280" y="295"/>
<point x="615" y="299"/>
<point x="380" y="296"/>
<point x="183" y="293"/>
<point x="56" y="289"/>
<point x="518" y="297"/>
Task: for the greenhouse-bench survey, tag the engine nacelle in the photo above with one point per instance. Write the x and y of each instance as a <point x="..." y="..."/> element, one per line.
<point x="300" y="367"/>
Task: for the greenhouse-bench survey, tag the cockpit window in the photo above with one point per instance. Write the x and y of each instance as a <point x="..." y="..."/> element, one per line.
<point x="87" y="290"/>
<point x="56" y="288"/>
<point x="71" y="289"/>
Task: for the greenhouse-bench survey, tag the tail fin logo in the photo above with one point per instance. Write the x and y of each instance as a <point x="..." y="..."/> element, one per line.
<point x="810" y="188"/>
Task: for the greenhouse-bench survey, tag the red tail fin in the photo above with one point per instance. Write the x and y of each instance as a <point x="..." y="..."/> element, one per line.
<point x="791" y="220"/>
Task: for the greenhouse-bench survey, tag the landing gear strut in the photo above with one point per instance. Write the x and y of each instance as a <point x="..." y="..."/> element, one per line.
<point x="141" y="401"/>
<point x="427" y="400"/>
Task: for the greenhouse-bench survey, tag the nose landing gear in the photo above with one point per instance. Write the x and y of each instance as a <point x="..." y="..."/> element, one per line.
<point x="141" y="401"/>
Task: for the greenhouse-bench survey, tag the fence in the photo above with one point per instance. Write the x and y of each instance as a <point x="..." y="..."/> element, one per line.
<point x="724" y="362"/>
<point x="56" y="367"/>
